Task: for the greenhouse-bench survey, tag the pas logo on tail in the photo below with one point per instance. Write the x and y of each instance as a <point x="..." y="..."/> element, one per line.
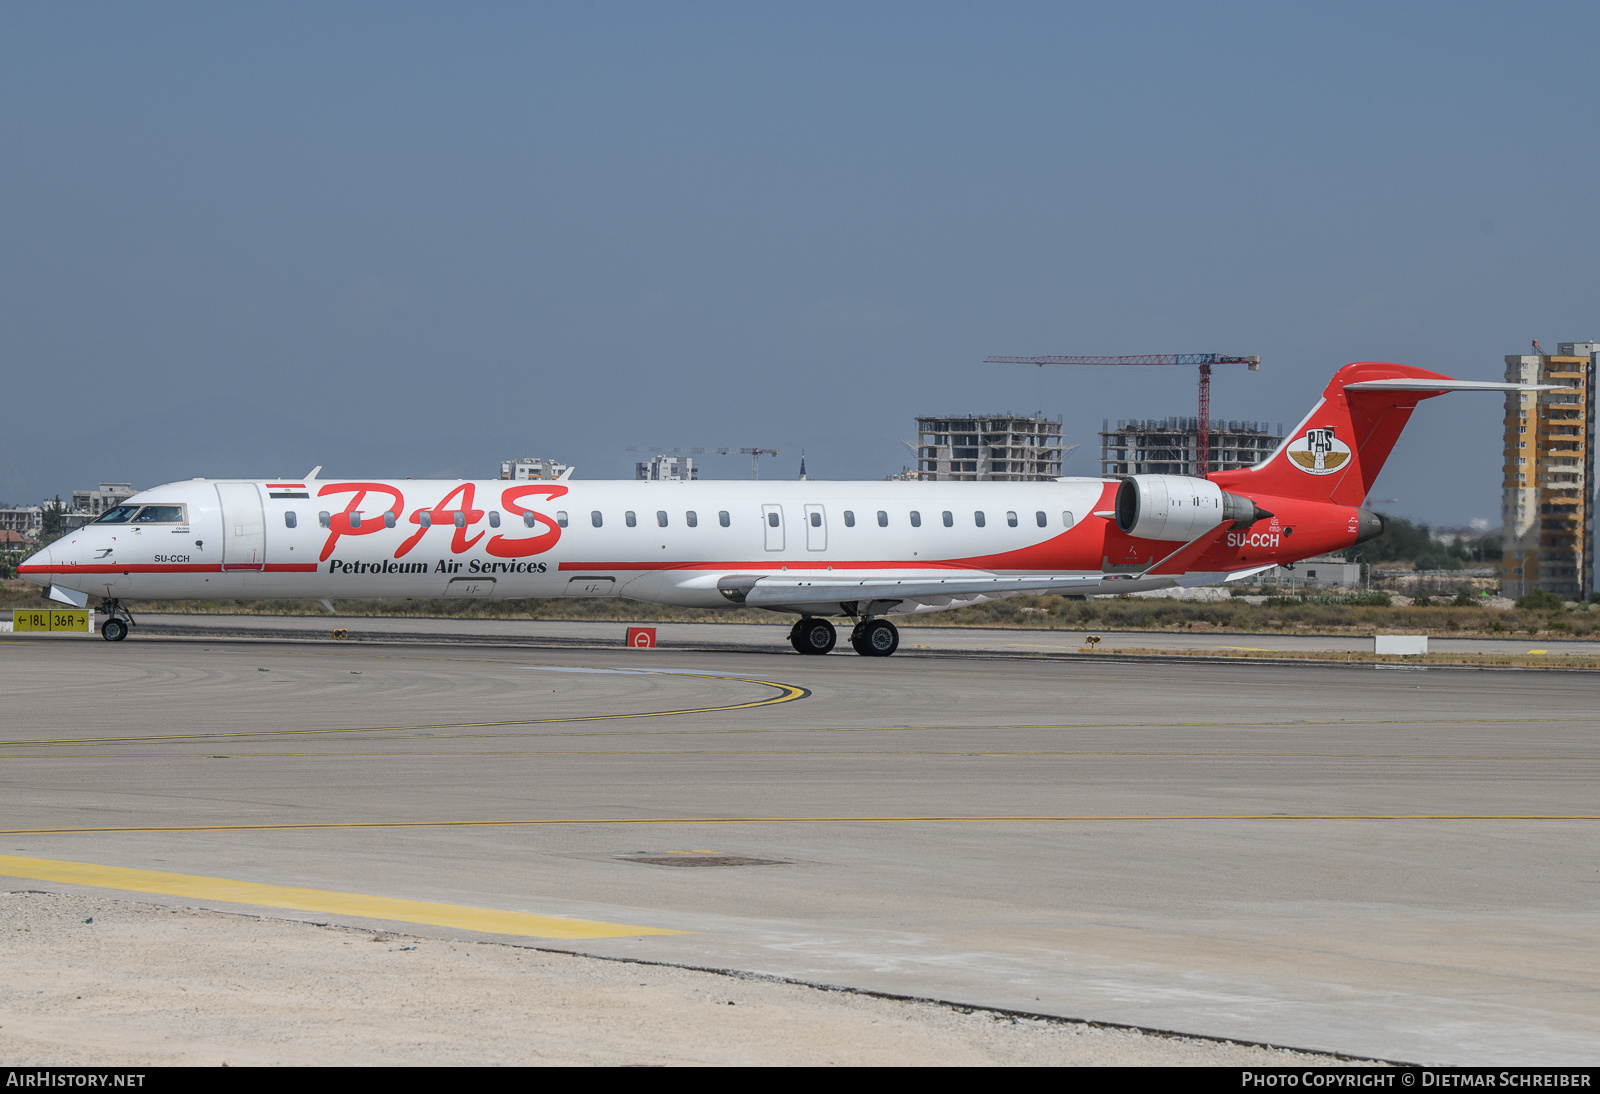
<point x="1319" y="452"/>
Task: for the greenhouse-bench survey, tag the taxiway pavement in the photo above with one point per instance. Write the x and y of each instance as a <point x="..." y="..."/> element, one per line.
<point x="1390" y="863"/>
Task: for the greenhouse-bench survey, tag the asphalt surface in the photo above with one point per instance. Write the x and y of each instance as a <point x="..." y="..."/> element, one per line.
<point x="774" y="636"/>
<point x="1397" y="863"/>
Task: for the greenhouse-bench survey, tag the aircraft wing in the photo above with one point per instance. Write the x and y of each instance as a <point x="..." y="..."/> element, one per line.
<point x="921" y="588"/>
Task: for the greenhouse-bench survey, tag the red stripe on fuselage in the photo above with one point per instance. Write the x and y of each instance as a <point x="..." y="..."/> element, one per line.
<point x="179" y="568"/>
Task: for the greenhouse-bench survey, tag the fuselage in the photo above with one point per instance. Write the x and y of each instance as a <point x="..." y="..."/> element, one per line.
<point x="665" y="542"/>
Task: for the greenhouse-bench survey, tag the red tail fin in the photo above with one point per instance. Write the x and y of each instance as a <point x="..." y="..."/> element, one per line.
<point x="1335" y="454"/>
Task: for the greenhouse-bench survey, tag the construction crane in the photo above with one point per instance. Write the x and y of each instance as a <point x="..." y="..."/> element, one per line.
<point x="1203" y="360"/>
<point x="755" y="455"/>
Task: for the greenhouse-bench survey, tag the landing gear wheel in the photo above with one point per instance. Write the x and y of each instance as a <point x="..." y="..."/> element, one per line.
<point x="878" y="638"/>
<point x="113" y="630"/>
<point x="813" y="636"/>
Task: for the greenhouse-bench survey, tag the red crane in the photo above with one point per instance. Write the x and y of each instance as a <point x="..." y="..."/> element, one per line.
<point x="1204" y="360"/>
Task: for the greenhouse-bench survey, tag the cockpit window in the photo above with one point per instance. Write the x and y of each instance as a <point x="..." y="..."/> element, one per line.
<point x="119" y="515"/>
<point x="160" y="514"/>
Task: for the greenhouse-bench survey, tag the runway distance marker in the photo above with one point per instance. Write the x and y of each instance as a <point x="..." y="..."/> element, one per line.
<point x="322" y="901"/>
<point x="932" y="818"/>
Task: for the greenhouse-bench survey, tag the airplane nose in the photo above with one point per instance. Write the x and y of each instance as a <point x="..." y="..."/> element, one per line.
<point x="37" y="567"/>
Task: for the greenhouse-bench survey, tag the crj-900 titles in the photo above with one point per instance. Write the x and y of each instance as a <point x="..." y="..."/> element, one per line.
<point x="863" y="551"/>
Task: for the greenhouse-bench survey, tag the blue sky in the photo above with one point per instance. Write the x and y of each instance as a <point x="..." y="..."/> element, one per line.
<point x="418" y="239"/>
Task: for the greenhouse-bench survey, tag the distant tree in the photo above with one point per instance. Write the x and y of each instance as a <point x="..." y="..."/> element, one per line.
<point x="1403" y="541"/>
<point x="1540" y="600"/>
<point x="54" y="521"/>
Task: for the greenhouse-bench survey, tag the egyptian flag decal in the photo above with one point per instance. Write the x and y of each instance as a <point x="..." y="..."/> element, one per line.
<point x="287" y="490"/>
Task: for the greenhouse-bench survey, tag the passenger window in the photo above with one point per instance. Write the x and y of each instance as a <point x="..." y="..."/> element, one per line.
<point x="355" y="520"/>
<point x="323" y="518"/>
<point x="494" y="519"/>
<point x="629" y="519"/>
<point x="1011" y="519"/>
<point x="1039" y="516"/>
<point x="916" y="519"/>
<point x="816" y="520"/>
<point x="529" y="521"/>
<point x="1066" y="519"/>
<point x="595" y="518"/>
<point x="849" y="518"/>
<point x="424" y="518"/>
<point x="772" y="519"/>
<point x="690" y="519"/>
<point x="461" y="519"/>
<point x="388" y="520"/>
<point x="661" y="518"/>
<point x="561" y="518"/>
<point x="289" y="520"/>
<point x="949" y="519"/>
<point x="977" y="518"/>
<point x="883" y="519"/>
<point x="722" y="517"/>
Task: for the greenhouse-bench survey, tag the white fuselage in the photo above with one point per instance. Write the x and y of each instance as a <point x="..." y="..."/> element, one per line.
<point x="666" y="542"/>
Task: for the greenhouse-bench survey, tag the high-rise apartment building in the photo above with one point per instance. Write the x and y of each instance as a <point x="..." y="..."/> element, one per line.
<point x="1549" y="497"/>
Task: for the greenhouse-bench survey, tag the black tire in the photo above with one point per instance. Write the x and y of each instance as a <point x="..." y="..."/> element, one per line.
<point x="815" y="636"/>
<point x="879" y="638"/>
<point x="113" y="630"/>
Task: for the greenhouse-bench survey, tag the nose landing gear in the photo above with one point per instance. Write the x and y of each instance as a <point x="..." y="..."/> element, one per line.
<point x="118" y="620"/>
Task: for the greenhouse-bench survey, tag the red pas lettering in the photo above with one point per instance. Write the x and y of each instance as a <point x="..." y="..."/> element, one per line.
<point x="458" y="518"/>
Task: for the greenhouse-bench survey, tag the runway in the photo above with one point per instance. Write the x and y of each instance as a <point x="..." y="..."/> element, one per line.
<point x="1397" y="864"/>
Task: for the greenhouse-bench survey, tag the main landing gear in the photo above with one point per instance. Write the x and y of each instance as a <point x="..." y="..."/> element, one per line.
<point x="869" y="638"/>
<point x="875" y="638"/>
<point x="812" y="635"/>
<point x="118" y="620"/>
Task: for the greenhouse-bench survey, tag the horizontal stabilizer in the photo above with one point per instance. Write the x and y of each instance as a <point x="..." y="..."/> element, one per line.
<point x="1407" y="383"/>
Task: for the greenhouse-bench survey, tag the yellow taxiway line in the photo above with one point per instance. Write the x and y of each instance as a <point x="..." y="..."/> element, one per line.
<point x="321" y="901"/>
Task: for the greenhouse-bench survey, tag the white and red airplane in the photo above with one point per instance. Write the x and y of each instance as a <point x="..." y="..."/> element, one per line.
<point x="861" y="550"/>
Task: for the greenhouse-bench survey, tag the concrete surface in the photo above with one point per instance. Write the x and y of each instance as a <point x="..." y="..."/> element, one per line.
<point x="1394" y="864"/>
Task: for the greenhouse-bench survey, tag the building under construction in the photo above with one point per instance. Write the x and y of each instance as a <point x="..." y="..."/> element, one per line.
<point x="1549" y="498"/>
<point x="664" y="467"/>
<point x="1002" y="448"/>
<point x="1168" y="446"/>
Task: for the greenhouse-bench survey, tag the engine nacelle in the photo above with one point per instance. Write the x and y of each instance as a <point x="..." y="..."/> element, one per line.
<point x="1179" y="507"/>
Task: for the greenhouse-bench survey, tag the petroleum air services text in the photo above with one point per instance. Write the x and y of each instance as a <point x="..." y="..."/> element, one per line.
<point x="471" y="566"/>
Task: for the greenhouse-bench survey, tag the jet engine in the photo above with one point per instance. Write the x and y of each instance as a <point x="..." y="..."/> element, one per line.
<point x="1179" y="507"/>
